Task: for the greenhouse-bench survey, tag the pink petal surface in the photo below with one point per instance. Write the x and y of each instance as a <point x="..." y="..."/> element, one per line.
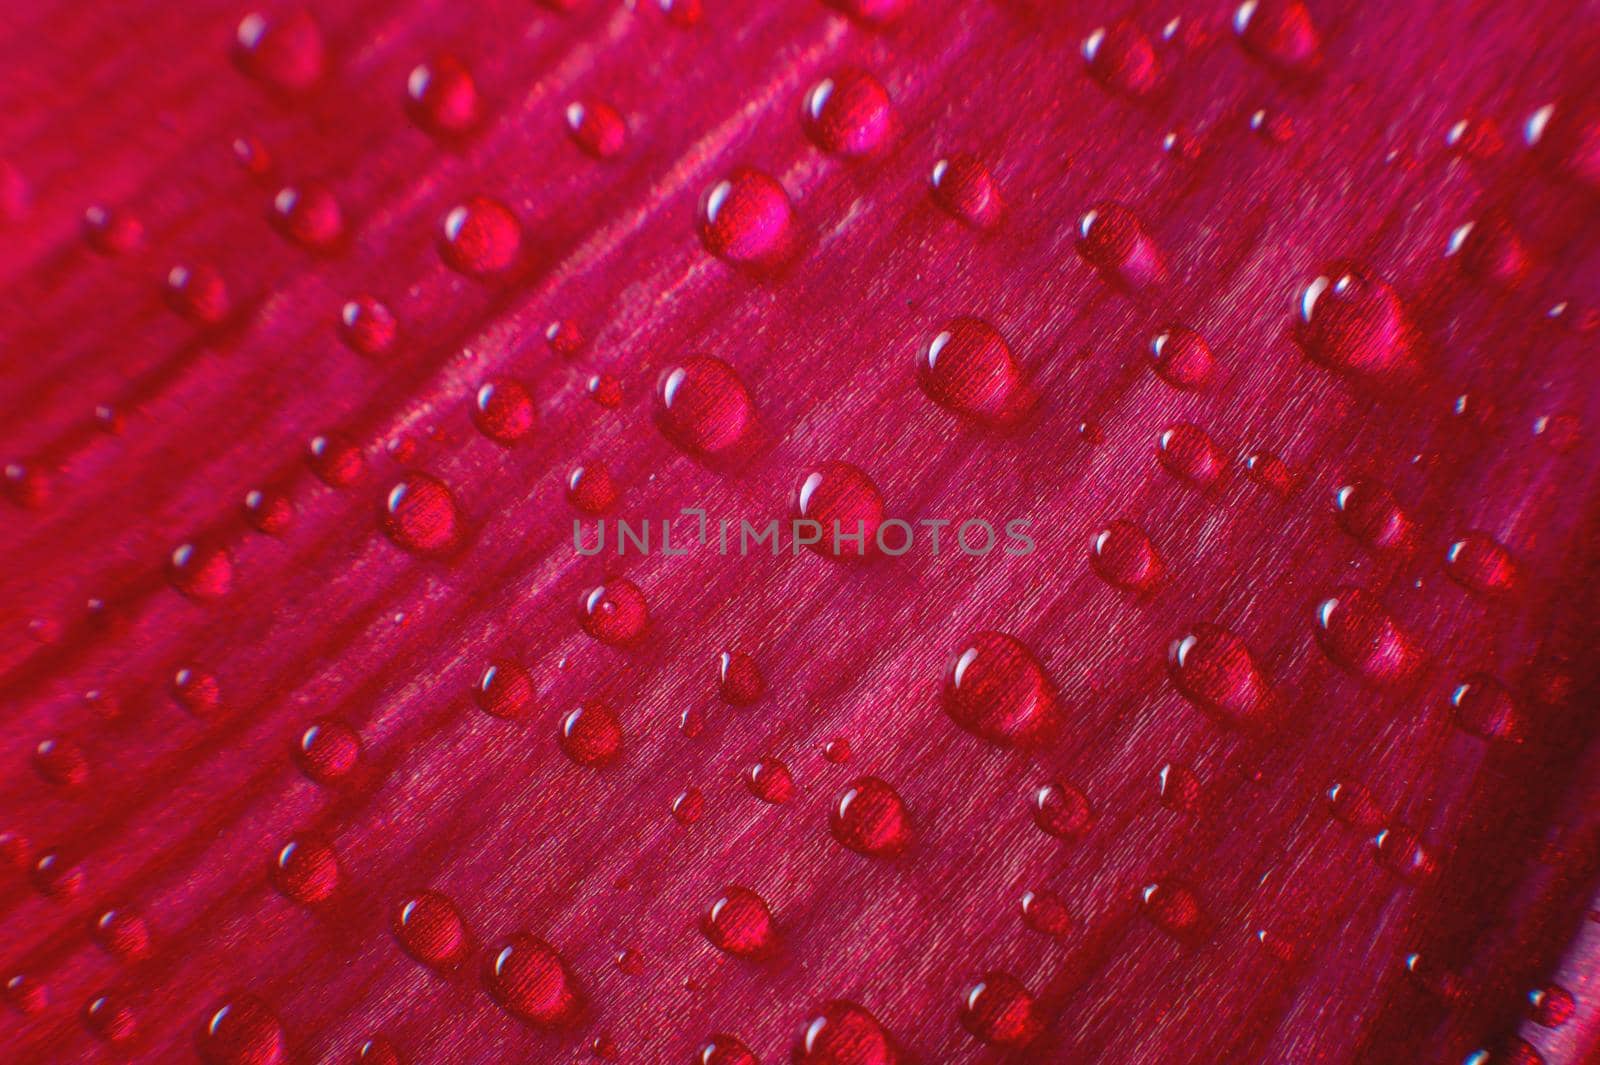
<point x="1352" y="819"/>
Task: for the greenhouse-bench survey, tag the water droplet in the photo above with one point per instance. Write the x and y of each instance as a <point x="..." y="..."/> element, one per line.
<point x="55" y="877"/>
<point x="1113" y="240"/>
<point x="848" y="114"/>
<point x="1399" y="850"/>
<point x="1121" y="57"/>
<point x="968" y="368"/>
<point x="336" y="461"/>
<point x="367" y="325"/>
<point x="1369" y="512"/>
<point x="564" y="338"/>
<point x="689" y="806"/>
<point x="747" y="219"/>
<point x="964" y="188"/>
<point x="1359" y="635"/>
<point x="843" y="1033"/>
<point x="739" y="679"/>
<point x="284" y="52"/>
<point x="1062" y="810"/>
<point x="614" y="613"/>
<point x="1182" y="357"/>
<point x="1480" y="563"/>
<point x="997" y="690"/>
<point x="1484" y="708"/>
<point x="869" y="817"/>
<point x="1173" y="907"/>
<point x="1490" y="250"/>
<point x="844" y="502"/>
<point x="725" y="1049"/>
<point x="27" y="485"/>
<point x="740" y="923"/>
<point x="1270" y="472"/>
<point x="1566" y="136"/>
<point x="1352" y="804"/>
<point x="201" y="571"/>
<point x="268" y="511"/>
<point x="1356" y="324"/>
<point x="1214" y="670"/>
<point x="328" y="750"/>
<point x="1189" y="454"/>
<point x="1552" y="1006"/>
<point x="26" y="994"/>
<point x="198" y="294"/>
<point x="505" y="690"/>
<point x="242" y="1031"/>
<point x="1279" y="33"/>
<point x="1000" y="1011"/>
<point x="443" y="97"/>
<point x="605" y="390"/>
<point x="504" y="410"/>
<point x="378" y="1051"/>
<point x="122" y="933"/>
<point x="481" y="238"/>
<point x="770" y="781"/>
<point x="703" y="407"/>
<point x="1045" y="911"/>
<point x="309" y="215"/>
<point x="531" y="980"/>
<point x="112" y="232"/>
<point x="420" y="514"/>
<point x="61" y="762"/>
<point x="1123" y="556"/>
<point x="596" y="127"/>
<point x="591" y="489"/>
<point x="109" y="1018"/>
<point x="591" y="735"/>
<point x="837" y="751"/>
<point x="684" y="14"/>
<point x="1179" y="788"/>
<point x="306" y="871"/>
<point x="429" y="928"/>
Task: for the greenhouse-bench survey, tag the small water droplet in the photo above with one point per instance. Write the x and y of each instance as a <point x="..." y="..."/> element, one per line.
<point x="770" y="781"/>
<point x="336" y="461"/>
<point x="591" y="735"/>
<point x="1045" y="911"/>
<point x="1481" y="564"/>
<point x="109" y="1018"/>
<point x="1484" y="708"/>
<point x="1062" y="810"/>
<point x="122" y="933"/>
<point x="722" y="1049"/>
<point x="1179" y="788"/>
<point x="1123" y="555"/>
<point x="503" y="410"/>
<point x="1214" y="670"/>
<point x="112" y="232"/>
<point x="201" y="571"/>
<point x="198" y="294"/>
<point x="1182" y="357"/>
<point x="844" y="1033"/>
<point x="1189" y="454"/>
<point x="1369" y="512"/>
<point x="591" y="489"/>
<point x="847" y="506"/>
<point x="1279" y="33"/>
<point x="739" y="679"/>
<point x="1173" y="907"/>
<point x="367" y="325"/>
<point x="309" y="215"/>
<point x="1552" y="1006"/>
<point x="306" y="871"/>
<point x="328" y="750"/>
<point x="689" y="806"/>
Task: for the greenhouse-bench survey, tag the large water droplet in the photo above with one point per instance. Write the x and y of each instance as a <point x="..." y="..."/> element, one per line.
<point x="309" y="215"/>
<point x="1123" y="556"/>
<point x="591" y="735"/>
<point x="1121" y="57"/>
<point x="503" y="410"/>
<point x="201" y="570"/>
<point x="284" y="52"/>
<point x="242" y="1031"/>
<point x="1189" y="454"/>
<point x="963" y="186"/>
<point x="997" y="690"/>
<point x="746" y="219"/>
<point x="1481" y="564"/>
<point x="848" y="113"/>
<point x="740" y="923"/>
<point x="430" y="929"/>
<point x="1356" y="324"/>
<point x="1359" y="635"/>
<point x="739" y="679"/>
<point x="968" y="368"/>
<point x="1279" y="33"/>
<point x="614" y="613"/>
<point x="443" y="97"/>
<point x="596" y="127"/>
<point x="1113" y="240"/>
<point x="1182" y="357"/>
<point x="1484" y="708"/>
<point x="703" y="407"/>
<point x="1212" y="668"/>
<point x="531" y="980"/>
<point x="871" y="818"/>
<point x="1000" y="1011"/>
<point x="306" y="871"/>
<point x="848" y="507"/>
<point x="1369" y="512"/>
<point x="843" y="1033"/>
<point x="420" y="514"/>
<point x="481" y="238"/>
